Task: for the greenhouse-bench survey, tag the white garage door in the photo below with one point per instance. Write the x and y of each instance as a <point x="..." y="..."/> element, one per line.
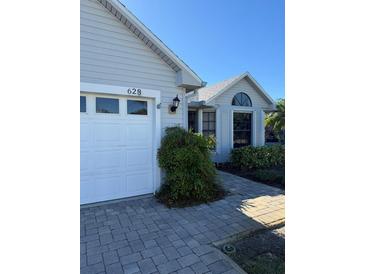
<point x="116" y="147"/>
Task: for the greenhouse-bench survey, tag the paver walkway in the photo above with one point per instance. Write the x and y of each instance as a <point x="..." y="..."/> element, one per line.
<point x="143" y="236"/>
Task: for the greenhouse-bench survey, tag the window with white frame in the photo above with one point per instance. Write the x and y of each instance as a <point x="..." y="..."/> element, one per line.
<point x="242" y="129"/>
<point x="209" y="120"/>
<point x="241" y="99"/>
<point x="82" y="103"/>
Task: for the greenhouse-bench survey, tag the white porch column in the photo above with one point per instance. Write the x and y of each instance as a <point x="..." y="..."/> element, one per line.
<point x="185" y="112"/>
<point x="218" y="130"/>
<point x="261" y="128"/>
<point x="254" y="128"/>
<point x="200" y="120"/>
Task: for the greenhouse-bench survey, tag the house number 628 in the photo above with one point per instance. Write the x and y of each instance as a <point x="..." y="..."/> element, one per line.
<point x="134" y="91"/>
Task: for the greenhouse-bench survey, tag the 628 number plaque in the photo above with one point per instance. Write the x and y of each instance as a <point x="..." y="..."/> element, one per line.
<point x="134" y="91"/>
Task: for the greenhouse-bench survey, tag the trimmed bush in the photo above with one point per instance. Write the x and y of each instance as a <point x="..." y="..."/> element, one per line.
<point x="270" y="176"/>
<point x="258" y="157"/>
<point x="190" y="173"/>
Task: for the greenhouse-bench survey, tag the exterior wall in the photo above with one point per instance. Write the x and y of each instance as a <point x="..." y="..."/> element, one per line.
<point x="225" y="130"/>
<point x="225" y="110"/>
<point x="244" y="85"/>
<point x="110" y="54"/>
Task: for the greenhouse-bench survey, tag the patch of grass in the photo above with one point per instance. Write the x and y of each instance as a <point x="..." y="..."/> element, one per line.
<point x="262" y="252"/>
<point x="266" y="264"/>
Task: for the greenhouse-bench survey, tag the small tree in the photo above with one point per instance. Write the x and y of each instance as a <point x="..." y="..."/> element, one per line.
<point x="276" y="120"/>
<point x="190" y="173"/>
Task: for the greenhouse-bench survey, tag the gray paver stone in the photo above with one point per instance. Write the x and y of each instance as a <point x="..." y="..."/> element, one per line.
<point x="183" y="251"/>
<point x="94" y="259"/>
<point x="132" y="258"/>
<point x="110" y="257"/>
<point x="159" y="259"/>
<point x="169" y="267"/>
<point x="219" y="267"/>
<point x="147" y="266"/>
<point x="150" y="243"/>
<point x="150" y="252"/>
<point x="93" y="269"/>
<point x="171" y="253"/>
<point x="202" y="249"/>
<point x="131" y="268"/>
<point x="188" y="260"/>
<point x="199" y="268"/>
<point x="115" y="268"/>
<point x="186" y="270"/>
<point x="210" y="258"/>
<point x="124" y="251"/>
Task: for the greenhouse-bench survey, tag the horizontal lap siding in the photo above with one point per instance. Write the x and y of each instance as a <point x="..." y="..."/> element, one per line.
<point x="225" y="103"/>
<point x="242" y="86"/>
<point x="112" y="55"/>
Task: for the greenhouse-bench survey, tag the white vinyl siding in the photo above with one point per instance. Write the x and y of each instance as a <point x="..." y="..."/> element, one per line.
<point x="112" y="55"/>
<point x="224" y="103"/>
<point x="257" y="99"/>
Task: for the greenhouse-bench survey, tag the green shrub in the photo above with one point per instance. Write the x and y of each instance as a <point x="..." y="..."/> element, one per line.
<point x="189" y="171"/>
<point x="270" y="176"/>
<point x="258" y="157"/>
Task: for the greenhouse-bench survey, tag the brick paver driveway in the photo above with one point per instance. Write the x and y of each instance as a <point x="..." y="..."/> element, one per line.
<point x="143" y="236"/>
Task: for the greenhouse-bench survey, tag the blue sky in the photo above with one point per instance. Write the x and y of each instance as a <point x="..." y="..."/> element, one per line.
<point x="221" y="39"/>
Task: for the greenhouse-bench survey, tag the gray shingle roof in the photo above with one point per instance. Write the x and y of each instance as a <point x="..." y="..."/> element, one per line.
<point x="206" y="93"/>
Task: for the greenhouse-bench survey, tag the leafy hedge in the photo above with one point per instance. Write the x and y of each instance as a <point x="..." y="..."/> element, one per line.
<point x="258" y="157"/>
<point x="190" y="173"/>
<point x="273" y="176"/>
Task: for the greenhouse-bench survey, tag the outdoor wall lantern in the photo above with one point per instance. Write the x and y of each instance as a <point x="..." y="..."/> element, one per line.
<point x="175" y="104"/>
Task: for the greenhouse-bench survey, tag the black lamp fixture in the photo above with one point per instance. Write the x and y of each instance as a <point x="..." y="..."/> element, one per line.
<point x="175" y="104"/>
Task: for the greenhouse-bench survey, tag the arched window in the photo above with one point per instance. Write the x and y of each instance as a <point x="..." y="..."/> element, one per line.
<point x="241" y="99"/>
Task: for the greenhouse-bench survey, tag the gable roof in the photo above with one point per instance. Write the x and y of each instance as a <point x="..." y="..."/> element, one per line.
<point x="143" y="33"/>
<point x="209" y="93"/>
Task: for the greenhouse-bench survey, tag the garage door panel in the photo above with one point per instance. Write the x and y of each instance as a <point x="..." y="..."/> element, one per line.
<point x="101" y="188"/>
<point x="86" y="190"/>
<point x="108" y="187"/>
<point x="139" y="134"/>
<point x="138" y="158"/>
<point x="85" y="162"/>
<point x="84" y="134"/>
<point x="108" y="134"/>
<point x="139" y="183"/>
<point x="109" y="161"/>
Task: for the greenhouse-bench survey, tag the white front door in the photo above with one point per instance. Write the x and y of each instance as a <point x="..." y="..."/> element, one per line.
<point x="116" y="156"/>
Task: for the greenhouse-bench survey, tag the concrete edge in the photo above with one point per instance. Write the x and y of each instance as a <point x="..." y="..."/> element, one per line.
<point x="230" y="261"/>
<point x="140" y="197"/>
<point x="247" y="233"/>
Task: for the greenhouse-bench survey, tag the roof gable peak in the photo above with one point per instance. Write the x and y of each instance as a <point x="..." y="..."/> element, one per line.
<point x="186" y="76"/>
<point x="211" y="92"/>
